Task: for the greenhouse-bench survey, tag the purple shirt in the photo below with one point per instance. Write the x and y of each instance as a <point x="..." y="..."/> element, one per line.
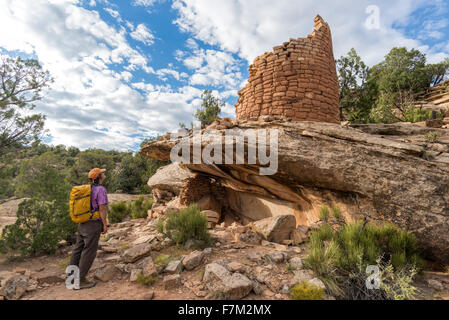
<point x="98" y="196"/>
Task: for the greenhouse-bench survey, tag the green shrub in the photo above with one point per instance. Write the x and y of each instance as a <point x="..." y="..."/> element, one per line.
<point x="136" y="209"/>
<point x="335" y="255"/>
<point x="307" y="291"/>
<point x="39" y="227"/>
<point x="189" y="223"/>
<point x="160" y="225"/>
<point x="417" y="115"/>
<point x="431" y="137"/>
<point x="145" y="280"/>
<point x="324" y="213"/>
<point x="397" y="284"/>
<point x="336" y="212"/>
<point x="162" y="259"/>
<point x="139" y="208"/>
<point x="118" y="212"/>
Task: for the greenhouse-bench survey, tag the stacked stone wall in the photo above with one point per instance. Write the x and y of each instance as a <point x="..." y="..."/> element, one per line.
<point x="297" y="80"/>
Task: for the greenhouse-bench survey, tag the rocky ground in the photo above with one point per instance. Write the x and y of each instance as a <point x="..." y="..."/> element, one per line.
<point x="238" y="266"/>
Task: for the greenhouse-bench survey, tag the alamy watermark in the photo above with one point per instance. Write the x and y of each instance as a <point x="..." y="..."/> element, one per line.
<point x="373" y="279"/>
<point x="373" y="20"/>
<point x="72" y="281"/>
<point x="229" y="146"/>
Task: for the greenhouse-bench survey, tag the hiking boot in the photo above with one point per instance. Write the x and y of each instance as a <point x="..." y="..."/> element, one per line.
<point x="84" y="284"/>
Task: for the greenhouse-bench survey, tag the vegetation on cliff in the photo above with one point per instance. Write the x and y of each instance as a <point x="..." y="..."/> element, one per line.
<point x="385" y="92"/>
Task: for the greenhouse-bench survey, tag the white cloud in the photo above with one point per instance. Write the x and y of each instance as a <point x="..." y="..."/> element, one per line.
<point x="251" y="27"/>
<point x="90" y="104"/>
<point x="211" y="67"/>
<point x="125" y="75"/>
<point x="114" y="13"/>
<point x="143" y="34"/>
<point x="146" y="3"/>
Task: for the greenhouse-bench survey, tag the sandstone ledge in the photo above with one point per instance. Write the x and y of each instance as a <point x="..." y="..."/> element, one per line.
<point x="381" y="172"/>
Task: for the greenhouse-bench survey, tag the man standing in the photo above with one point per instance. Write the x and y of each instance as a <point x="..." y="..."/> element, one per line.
<point x="86" y="246"/>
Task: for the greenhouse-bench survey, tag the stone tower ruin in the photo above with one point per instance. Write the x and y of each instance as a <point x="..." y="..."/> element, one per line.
<point x="298" y="80"/>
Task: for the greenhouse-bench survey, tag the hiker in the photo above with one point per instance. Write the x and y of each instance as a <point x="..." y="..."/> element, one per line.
<point x="86" y="246"/>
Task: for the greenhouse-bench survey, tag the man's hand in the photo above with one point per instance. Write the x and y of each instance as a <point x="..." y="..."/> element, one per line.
<point x="105" y="228"/>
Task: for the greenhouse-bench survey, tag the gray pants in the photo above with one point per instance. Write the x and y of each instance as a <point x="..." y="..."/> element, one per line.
<point x="85" y="251"/>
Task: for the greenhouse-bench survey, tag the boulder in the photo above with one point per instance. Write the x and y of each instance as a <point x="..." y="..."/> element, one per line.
<point x="231" y="286"/>
<point x="169" y="178"/>
<point x="118" y="233"/>
<point x="295" y="263"/>
<point x="148" y="267"/>
<point x="193" y="260"/>
<point x="174" y="267"/>
<point x="318" y="283"/>
<point x="12" y="285"/>
<point x="236" y="267"/>
<point x="136" y="252"/>
<point x="172" y="281"/>
<point x="435" y="284"/>
<point x="276" y="229"/>
<point x="275" y="256"/>
<point x="301" y="275"/>
<point x="254" y="257"/>
<point x="105" y="273"/>
<point x="381" y="172"/>
<point x="134" y="274"/>
<point x="299" y="235"/>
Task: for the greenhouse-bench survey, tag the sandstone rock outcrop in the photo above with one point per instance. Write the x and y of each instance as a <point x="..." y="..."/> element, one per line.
<point x="297" y="80"/>
<point x="170" y="177"/>
<point x="435" y="98"/>
<point x="381" y="172"/>
<point x="276" y="229"/>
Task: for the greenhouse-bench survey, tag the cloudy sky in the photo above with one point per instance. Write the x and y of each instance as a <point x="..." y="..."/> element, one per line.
<point x="126" y="70"/>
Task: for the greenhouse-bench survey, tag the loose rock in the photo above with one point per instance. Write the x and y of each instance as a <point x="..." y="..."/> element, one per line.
<point x="435" y="284"/>
<point x="172" y="281"/>
<point x="193" y="260"/>
<point x="295" y="263"/>
<point x="175" y="266"/>
<point x="136" y="252"/>
<point x="13" y="286"/>
<point x="105" y="273"/>
<point x="231" y="286"/>
<point x="276" y="229"/>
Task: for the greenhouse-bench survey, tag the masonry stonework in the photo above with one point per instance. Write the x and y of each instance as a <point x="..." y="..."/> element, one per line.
<point x="298" y="80"/>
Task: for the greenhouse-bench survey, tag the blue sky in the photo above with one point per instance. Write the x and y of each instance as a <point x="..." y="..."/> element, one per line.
<point x="127" y="70"/>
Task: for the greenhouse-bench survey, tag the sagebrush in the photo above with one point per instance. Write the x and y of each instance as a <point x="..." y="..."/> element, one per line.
<point x="122" y="210"/>
<point x="307" y="291"/>
<point x="335" y="255"/>
<point x="187" y="224"/>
